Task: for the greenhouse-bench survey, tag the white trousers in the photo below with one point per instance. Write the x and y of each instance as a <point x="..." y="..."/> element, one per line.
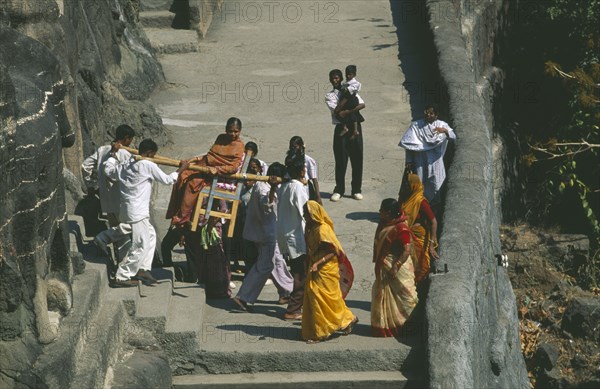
<point x="140" y="254"/>
<point x="117" y="234"/>
<point x="269" y="262"/>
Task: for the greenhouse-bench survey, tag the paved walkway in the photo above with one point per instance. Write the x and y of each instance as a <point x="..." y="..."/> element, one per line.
<point x="268" y="63"/>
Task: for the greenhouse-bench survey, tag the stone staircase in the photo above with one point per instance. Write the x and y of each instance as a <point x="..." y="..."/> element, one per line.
<point x="89" y="337"/>
<point x="157" y="21"/>
<point x="93" y="337"/>
<point x="209" y="343"/>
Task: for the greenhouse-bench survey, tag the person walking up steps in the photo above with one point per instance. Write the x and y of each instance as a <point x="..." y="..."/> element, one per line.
<point x="261" y="229"/>
<point x="290" y="232"/>
<point x="135" y="184"/>
<point x="92" y="170"/>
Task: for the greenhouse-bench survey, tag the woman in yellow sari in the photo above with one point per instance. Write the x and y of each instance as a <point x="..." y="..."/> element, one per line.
<point x="324" y="310"/>
<point x="394" y="295"/>
<point x="421" y="221"/>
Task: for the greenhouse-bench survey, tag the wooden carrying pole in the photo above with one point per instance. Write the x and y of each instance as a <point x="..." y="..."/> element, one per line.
<point x="157" y="157"/>
<point x="204" y="169"/>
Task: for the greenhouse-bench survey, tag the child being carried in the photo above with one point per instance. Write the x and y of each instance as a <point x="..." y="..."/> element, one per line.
<point x="349" y="101"/>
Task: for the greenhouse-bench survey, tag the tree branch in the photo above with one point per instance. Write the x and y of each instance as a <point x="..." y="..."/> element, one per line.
<point x="583" y="146"/>
<point x="567" y="75"/>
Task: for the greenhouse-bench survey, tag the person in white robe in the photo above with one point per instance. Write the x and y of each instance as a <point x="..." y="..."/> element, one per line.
<point x="425" y="142"/>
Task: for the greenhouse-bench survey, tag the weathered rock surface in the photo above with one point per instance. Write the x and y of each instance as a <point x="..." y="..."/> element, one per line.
<point x="69" y="72"/>
<point x="143" y="369"/>
<point x="471" y="311"/>
<point x="582" y="318"/>
<point x="33" y="240"/>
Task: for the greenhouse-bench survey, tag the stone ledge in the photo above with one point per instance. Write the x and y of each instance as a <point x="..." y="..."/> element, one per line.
<point x="472" y="306"/>
<point x="325" y="380"/>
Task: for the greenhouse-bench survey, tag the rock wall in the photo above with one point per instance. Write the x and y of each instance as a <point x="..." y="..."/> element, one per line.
<point x="472" y="325"/>
<point x="70" y="70"/>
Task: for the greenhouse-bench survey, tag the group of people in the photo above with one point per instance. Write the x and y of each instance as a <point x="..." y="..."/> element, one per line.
<point x="283" y="219"/>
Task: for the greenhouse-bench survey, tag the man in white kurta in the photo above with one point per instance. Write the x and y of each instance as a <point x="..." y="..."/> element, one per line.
<point x="135" y="183"/>
<point x="290" y="233"/>
<point x="425" y="143"/>
<point x="261" y="229"/>
<point x="92" y="170"/>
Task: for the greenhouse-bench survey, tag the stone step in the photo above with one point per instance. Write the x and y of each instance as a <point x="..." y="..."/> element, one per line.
<point x="313" y="380"/>
<point x="152" y="5"/>
<point x="156" y="19"/>
<point x="184" y="324"/>
<point x="171" y="41"/>
<point x="186" y="310"/>
<point x="154" y="301"/>
<point x="235" y="342"/>
<point x="295" y="359"/>
<point x="129" y="296"/>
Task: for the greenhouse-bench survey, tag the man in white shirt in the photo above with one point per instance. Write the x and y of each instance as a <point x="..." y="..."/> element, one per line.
<point x="290" y="233"/>
<point x="92" y="170"/>
<point x="135" y="184"/>
<point x="345" y="147"/>
<point x="261" y="229"/>
<point x="425" y="143"/>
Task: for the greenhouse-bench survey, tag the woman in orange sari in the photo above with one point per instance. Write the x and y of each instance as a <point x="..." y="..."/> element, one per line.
<point x="324" y="309"/>
<point x="224" y="157"/>
<point x="204" y="247"/>
<point x="421" y="221"/>
<point x="394" y="295"/>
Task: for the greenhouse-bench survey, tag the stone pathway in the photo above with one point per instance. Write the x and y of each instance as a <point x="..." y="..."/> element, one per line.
<point x="268" y="64"/>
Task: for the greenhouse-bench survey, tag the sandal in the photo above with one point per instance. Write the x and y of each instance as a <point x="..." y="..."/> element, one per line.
<point x="313" y="341"/>
<point x="241" y="304"/>
<point x="348" y="329"/>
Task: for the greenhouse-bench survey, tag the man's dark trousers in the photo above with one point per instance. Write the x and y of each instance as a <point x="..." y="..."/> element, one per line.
<point x="345" y="148"/>
<point x="298" y="270"/>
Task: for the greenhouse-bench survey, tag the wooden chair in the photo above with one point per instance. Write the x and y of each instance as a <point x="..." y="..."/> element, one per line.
<point x="214" y="192"/>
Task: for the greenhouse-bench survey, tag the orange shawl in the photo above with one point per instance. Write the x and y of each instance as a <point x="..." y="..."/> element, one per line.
<point x="225" y="155"/>
<point x="421" y="238"/>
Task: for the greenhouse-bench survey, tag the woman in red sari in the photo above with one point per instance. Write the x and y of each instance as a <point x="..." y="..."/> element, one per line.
<point x="394" y="293"/>
<point x="204" y="247"/>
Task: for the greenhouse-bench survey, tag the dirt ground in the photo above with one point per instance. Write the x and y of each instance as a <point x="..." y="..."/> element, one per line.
<point x="542" y="293"/>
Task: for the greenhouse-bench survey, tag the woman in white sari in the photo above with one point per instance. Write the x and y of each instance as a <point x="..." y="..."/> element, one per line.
<point x="394" y="295"/>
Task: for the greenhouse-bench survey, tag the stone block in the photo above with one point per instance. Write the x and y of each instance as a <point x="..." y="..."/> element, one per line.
<point x="582" y="318"/>
<point x="546" y="356"/>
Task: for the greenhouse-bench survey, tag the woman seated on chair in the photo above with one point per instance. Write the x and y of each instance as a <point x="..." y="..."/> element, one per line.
<point x="204" y="247"/>
<point x="224" y="157"/>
